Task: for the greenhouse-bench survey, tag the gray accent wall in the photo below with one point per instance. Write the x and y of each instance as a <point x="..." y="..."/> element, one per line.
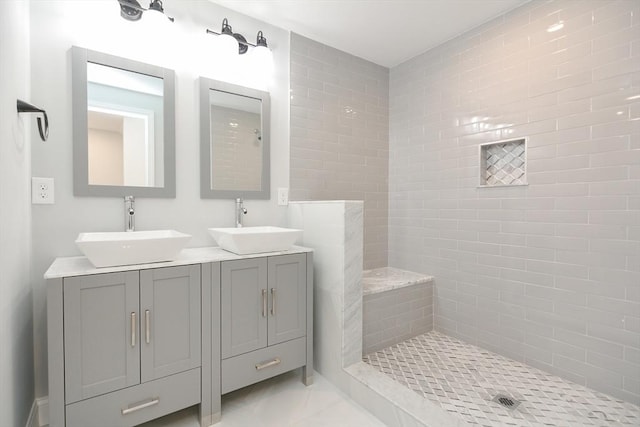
<point x="16" y="305"/>
<point x="340" y="135"/>
<point x="548" y="273"/>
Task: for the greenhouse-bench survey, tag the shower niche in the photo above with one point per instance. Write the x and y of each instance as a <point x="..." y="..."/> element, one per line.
<point x="503" y="163"/>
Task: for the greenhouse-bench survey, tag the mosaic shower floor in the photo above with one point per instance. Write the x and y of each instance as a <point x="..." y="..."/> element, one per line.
<point x="463" y="379"/>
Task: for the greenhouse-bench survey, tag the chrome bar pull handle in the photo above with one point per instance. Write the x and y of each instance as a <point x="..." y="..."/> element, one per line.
<point x="133" y="329"/>
<point x="264" y="303"/>
<point x="155" y="401"/>
<point x="273" y="301"/>
<point x="147" y="326"/>
<point x="274" y="362"/>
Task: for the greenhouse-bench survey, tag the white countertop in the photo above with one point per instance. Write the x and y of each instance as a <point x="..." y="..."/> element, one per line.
<point x="81" y="266"/>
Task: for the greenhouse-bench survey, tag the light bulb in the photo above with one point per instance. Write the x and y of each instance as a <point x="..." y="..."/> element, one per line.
<point x="227" y="45"/>
<point x="158" y="21"/>
<point x="262" y="60"/>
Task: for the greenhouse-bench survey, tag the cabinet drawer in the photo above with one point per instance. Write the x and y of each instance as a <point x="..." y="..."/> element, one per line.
<point x="249" y="368"/>
<point x="144" y="402"/>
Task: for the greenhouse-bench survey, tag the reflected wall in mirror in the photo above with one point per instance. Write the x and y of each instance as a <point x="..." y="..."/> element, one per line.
<point x="124" y="127"/>
<point x="234" y="141"/>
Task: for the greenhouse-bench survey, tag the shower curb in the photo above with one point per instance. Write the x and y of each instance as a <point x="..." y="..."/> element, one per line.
<point x="393" y="403"/>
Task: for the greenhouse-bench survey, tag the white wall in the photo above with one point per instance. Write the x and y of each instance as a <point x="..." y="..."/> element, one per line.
<point x="96" y="25"/>
<point x="105" y="157"/>
<point x="16" y="327"/>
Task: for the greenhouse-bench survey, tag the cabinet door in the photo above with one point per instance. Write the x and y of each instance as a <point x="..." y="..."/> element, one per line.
<point x="244" y="306"/>
<point x="287" y="297"/>
<point x="101" y="334"/>
<point x="169" y="320"/>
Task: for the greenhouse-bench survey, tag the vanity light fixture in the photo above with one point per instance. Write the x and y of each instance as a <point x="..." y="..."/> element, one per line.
<point x="261" y="49"/>
<point x="260" y="40"/>
<point x="132" y="11"/>
<point x="238" y="39"/>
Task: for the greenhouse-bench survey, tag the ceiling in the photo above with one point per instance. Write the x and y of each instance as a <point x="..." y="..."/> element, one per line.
<point x="387" y="32"/>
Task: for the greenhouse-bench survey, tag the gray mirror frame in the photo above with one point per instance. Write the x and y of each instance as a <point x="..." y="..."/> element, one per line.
<point x="81" y="187"/>
<point x="205" y="141"/>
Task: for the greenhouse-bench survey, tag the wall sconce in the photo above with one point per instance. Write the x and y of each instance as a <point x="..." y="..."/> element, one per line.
<point x="132" y="11"/>
<point x="237" y="41"/>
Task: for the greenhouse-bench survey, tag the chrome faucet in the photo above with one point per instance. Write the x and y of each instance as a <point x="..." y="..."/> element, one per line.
<point x="240" y="210"/>
<point x="129" y="213"/>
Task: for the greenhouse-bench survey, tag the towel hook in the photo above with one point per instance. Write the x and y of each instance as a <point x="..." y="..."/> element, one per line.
<point x="25" y="107"/>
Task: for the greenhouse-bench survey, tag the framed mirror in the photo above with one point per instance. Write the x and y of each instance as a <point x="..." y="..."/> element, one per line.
<point x="234" y="141"/>
<point x="123" y="127"/>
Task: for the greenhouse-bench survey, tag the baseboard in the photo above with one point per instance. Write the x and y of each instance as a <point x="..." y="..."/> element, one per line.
<point x="41" y="413"/>
<point x="32" y="421"/>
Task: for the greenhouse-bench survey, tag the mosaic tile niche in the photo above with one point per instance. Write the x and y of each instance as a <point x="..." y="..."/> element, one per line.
<point x="503" y="163"/>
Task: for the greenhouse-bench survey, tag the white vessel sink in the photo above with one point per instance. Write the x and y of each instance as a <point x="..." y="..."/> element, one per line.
<point x="109" y="249"/>
<point x="253" y="240"/>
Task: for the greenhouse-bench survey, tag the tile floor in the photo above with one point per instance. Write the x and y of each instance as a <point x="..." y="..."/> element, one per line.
<point x="463" y="379"/>
<point x="279" y="402"/>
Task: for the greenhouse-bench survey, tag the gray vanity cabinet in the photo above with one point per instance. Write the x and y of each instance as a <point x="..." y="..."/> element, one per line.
<point x="99" y="318"/>
<point x="170" y="324"/>
<point x="264" y="310"/>
<point x="131" y="345"/>
<point x="243" y="306"/>
<point x="287" y="298"/>
<point x="137" y="343"/>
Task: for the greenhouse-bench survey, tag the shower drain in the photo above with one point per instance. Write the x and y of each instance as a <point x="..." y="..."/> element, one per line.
<point x="506" y="401"/>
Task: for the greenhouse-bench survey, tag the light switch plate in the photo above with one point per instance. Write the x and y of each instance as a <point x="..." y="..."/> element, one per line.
<point x="42" y="191"/>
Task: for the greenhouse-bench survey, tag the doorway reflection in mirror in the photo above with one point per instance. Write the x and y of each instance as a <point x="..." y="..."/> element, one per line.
<point x="125" y="111"/>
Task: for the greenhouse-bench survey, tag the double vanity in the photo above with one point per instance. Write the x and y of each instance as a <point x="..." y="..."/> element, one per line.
<point x="140" y="327"/>
<point x="131" y="343"/>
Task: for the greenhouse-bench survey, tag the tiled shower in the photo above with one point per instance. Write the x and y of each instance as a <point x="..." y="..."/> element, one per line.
<point x="546" y="273"/>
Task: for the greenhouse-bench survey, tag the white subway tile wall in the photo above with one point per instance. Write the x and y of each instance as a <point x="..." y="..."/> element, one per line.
<point x="396" y="315"/>
<point x="237" y="142"/>
<point x="340" y="135"/>
<point x="549" y="273"/>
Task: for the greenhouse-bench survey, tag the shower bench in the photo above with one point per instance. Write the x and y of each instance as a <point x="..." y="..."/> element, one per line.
<point x="397" y="305"/>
